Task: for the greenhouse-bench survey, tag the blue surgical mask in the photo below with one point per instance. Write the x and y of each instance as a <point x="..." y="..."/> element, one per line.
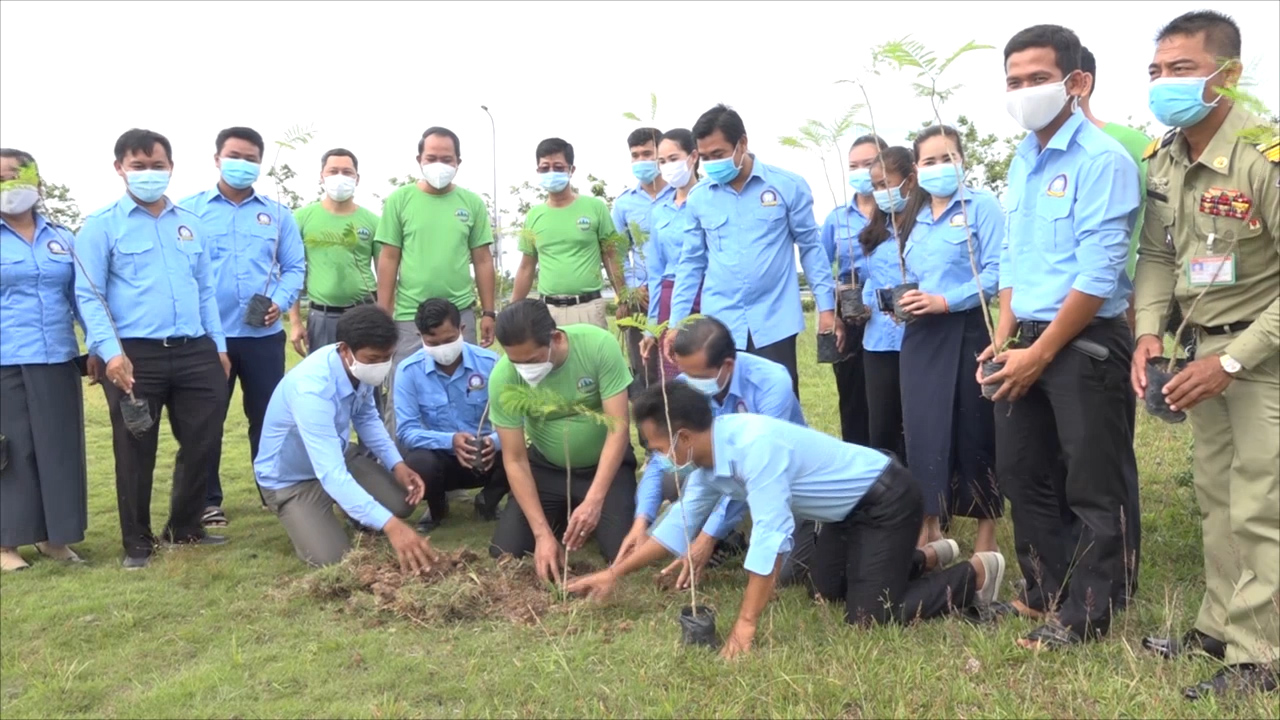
<point x="707" y="386"/>
<point x="238" y="173"/>
<point x="147" y="185"/>
<point x="939" y="180"/>
<point x="645" y="170"/>
<point x="553" y="181"/>
<point x="1179" y="102"/>
<point x="891" y="200"/>
<point x="670" y="467"/>
<point x="860" y="181"/>
<point x="722" y="171"/>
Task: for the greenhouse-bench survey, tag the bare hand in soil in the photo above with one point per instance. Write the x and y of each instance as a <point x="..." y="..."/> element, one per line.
<point x="1147" y="347"/>
<point x="639" y="531"/>
<point x="120" y="372"/>
<point x="1021" y="370"/>
<point x="272" y="315"/>
<point x="298" y="336"/>
<point x="699" y="553"/>
<point x="225" y="359"/>
<point x="411" y="481"/>
<point x="462" y="449"/>
<point x="413" y="550"/>
<point x="582" y="523"/>
<point x="918" y="303"/>
<point x="546" y="560"/>
<point x="96" y="369"/>
<point x="1199" y="381"/>
<point x="597" y="586"/>
<point x="739" y="641"/>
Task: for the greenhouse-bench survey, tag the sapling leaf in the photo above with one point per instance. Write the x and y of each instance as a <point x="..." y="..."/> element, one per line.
<point x="631" y="116"/>
<point x="28" y="176"/>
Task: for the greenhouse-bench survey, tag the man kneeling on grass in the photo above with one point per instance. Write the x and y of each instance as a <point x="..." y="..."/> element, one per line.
<point x="306" y="461"/>
<point x="870" y="507"/>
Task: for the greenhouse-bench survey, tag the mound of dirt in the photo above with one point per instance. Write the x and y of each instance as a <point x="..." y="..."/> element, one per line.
<point x="462" y="587"/>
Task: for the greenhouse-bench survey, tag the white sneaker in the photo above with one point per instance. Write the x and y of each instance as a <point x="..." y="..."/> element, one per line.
<point x="993" y="564"/>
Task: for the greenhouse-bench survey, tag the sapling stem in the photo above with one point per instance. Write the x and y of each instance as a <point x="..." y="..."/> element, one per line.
<point x="893" y="216"/>
<point x="1186" y="317"/>
<point x="105" y="308"/>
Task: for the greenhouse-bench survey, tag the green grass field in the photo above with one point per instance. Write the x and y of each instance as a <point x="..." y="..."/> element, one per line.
<point x="222" y="632"/>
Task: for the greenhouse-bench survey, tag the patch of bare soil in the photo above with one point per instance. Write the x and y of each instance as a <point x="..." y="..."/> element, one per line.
<point x="462" y="587"/>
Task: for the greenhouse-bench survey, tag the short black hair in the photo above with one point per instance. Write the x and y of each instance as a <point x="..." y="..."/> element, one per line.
<point x="241" y="133"/>
<point x="23" y="157"/>
<point x="367" y="326"/>
<point x="1064" y="43"/>
<point x="687" y="408"/>
<point x="552" y="146"/>
<point x="644" y="136"/>
<point x="722" y="118"/>
<point x="443" y="132"/>
<point x="1089" y="64"/>
<point x="523" y="321"/>
<point x="339" y="152"/>
<point x="708" y="334"/>
<point x="141" y="142"/>
<point x="434" y="312"/>
<point x="1221" y="33"/>
<point x="870" y="139"/>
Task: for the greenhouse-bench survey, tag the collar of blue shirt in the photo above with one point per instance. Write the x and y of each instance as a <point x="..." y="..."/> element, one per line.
<point x="469" y="360"/>
<point x="1030" y="146"/>
<point x="638" y="189"/>
<point x="926" y="210"/>
<point x="128" y="205"/>
<point x="338" y="372"/>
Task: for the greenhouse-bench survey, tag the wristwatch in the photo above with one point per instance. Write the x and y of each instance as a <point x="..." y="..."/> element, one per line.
<point x="489" y="314"/>
<point x="1229" y="364"/>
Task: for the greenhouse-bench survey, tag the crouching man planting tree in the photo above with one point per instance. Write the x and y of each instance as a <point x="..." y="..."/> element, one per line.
<point x="866" y="551"/>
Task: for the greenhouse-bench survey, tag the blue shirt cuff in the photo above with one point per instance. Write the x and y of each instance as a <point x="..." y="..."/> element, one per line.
<point x="763" y="551"/>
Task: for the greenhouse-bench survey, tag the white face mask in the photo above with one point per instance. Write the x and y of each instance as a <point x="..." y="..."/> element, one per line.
<point x="438" y="175"/>
<point x="447" y="353"/>
<point x="18" y="200"/>
<point x="1035" y="107"/>
<point x="677" y="174"/>
<point x="369" y="374"/>
<point x="340" y="188"/>
<point x="534" y="373"/>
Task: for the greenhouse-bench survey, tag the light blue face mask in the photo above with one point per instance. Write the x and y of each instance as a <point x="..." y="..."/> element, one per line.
<point x="553" y="181"/>
<point x="147" y="186"/>
<point x="238" y="173"/>
<point x="707" y="386"/>
<point x="891" y="200"/>
<point x="721" y="171"/>
<point x="645" y="170"/>
<point x="860" y="181"/>
<point x="1179" y="101"/>
<point x="669" y="466"/>
<point x="939" y="180"/>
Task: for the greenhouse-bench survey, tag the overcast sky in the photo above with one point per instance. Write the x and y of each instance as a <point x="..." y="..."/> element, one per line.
<point x="371" y="76"/>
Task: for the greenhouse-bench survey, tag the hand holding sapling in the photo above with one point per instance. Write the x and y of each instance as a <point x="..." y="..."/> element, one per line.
<point x="462" y="449"/>
<point x="1147" y="347"/>
<point x="1201" y="380"/>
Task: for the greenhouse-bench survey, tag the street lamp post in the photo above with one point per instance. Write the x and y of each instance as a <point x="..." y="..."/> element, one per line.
<point x="497" y="218"/>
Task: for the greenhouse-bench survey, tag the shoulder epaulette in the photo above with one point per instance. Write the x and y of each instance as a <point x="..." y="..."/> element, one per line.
<point x="1270" y="150"/>
<point x="1156" y="145"/>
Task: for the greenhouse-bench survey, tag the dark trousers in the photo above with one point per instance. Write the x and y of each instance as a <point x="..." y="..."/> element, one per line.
<point x="1064" y="455"/>
<point x="782" y="352"/>
<point x="513" y="534"/>
<point x="851" y="388"/>
<point x="870" y="559"/>
<point x="884" y="403"/>
<point x="186" y="380"/>
<point x="258" y="363"/>
<point x="442" y="473"/>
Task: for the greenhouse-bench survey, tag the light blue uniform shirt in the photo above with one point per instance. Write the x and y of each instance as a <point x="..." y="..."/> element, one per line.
<point x="757" y="386"/>
<point x="1071" y="212"/>
<point x="937" y="253"/>
<point x="306" y="430"/>
<point x="671" y="228"/>
<point x="840" y="236"/>
<point x="37" y="296"/>
<point x="154" y="273"/>
<point x="632" y="207"/>
<point x="782" y="471"/>
<point x="431" y="407"/>
<point x="747" y="256"/>
<point x="882" y="333"/>
<point x="241" y="241"/>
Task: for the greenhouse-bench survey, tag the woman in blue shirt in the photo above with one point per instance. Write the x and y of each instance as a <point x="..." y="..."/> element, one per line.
<point x="950" y="427"/>
<point x="670" y="227"/>
<point x="43" y="487"/>
<point x="892" y="179"/>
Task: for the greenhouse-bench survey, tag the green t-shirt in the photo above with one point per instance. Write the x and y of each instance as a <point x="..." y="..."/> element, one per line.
<point x="339" y="254"/>
<point x="595" y="370"/>
<point x="435" y="234"/>
<point x="566" y="243"/>
<point x="1136" y="143"/>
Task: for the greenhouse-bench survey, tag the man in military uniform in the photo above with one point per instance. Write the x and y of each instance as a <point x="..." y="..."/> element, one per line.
<point x="1226" y="254"/>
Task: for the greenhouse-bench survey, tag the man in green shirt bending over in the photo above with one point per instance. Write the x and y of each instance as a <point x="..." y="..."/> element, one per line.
<point x="579" y="367"/>
<point x="432" y="234"/>
<point x="565" y="240"/>
<point x="338" y="237"/>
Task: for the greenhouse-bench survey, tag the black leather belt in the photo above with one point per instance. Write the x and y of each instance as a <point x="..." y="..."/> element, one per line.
<point x="336" y="309"/>
<point x="1232" y="329"/>
<point x="570" y="300"/>
<point x="1030" y="330"/>
<point x="169" y="342"/>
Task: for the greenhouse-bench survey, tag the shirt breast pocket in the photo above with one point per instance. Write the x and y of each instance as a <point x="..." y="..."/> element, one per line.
<point x="772" y="217"/>
<point x="14" y="269"/>
<point x="192" y="250"/>
<point x="716" y="228"/>
<point x="131" y="255"/>
<point x="263" y="249"/>
<point x="1054" y="226"/>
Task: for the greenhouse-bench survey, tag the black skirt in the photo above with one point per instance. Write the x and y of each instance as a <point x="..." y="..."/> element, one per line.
<point x="43" y="487"/>
<point x="950" y="427"/>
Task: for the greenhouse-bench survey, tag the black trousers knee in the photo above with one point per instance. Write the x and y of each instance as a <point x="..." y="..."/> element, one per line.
<point x="442" y="473"/>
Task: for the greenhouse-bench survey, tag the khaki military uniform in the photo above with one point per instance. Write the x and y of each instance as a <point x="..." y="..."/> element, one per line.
<point x="1195" y="211"/>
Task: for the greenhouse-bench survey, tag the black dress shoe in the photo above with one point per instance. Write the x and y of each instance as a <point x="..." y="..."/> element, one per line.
<point x="1194" y="640"/>
<point x="1235" y="679"/>
<point x="136" y="563"/>
<point x="425" y="524"/>
<point x="206" y="539"/>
